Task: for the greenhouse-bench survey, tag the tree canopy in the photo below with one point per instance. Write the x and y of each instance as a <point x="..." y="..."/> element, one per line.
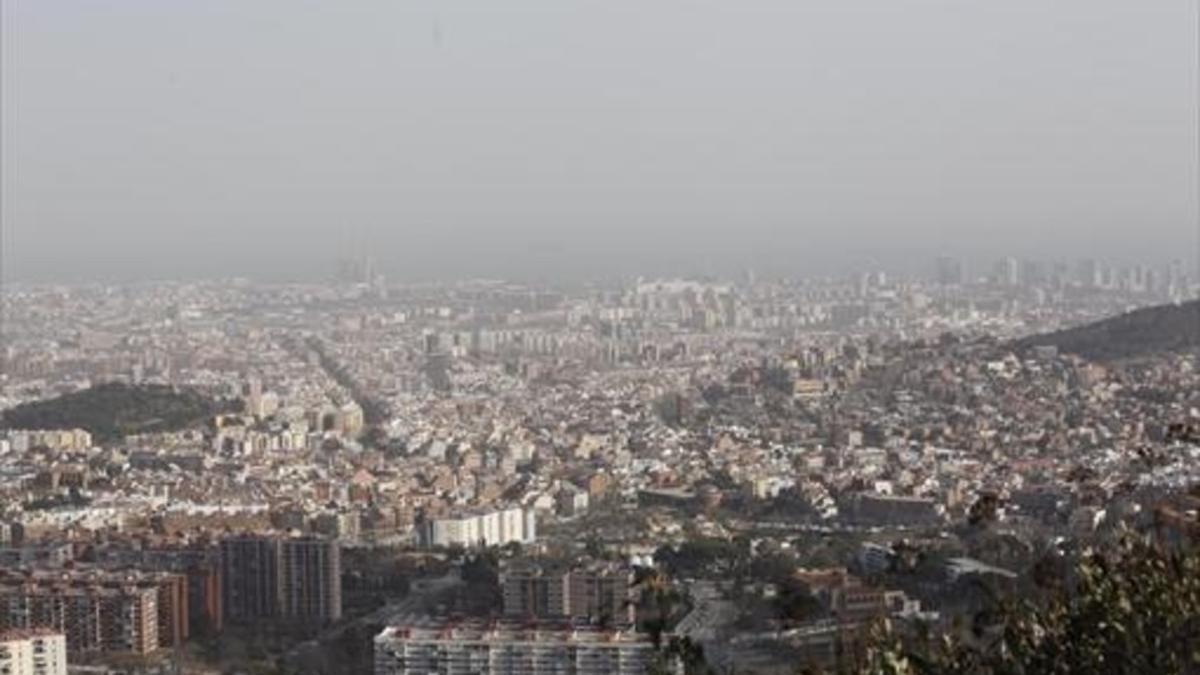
<point x="112" y="410"/>
<point x="1132" y="609"/>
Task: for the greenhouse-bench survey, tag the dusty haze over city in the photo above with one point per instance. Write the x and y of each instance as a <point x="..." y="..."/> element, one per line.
<point x="538" y="139"/>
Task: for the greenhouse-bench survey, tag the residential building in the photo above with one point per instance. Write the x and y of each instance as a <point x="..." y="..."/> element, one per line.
<point x="482" y="528"/>
<point x="423" y="645"/>
<point x="33" y="652"/>
<point x="249" y="578"/>
<point x="596" y="593"/>
<point x="294" y="579"/>
<point x="94" y="618"/>
<point x="310" y="580"/>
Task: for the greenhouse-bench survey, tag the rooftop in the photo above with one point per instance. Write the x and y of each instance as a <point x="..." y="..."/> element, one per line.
<point x="432" y="629"/>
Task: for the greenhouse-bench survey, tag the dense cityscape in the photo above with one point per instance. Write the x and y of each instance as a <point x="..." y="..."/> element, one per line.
<point x="661" y="475"/>
<point x="569" y="337"/>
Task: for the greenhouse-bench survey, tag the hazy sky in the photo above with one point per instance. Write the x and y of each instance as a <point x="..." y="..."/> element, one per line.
<point x="529" y="138"/>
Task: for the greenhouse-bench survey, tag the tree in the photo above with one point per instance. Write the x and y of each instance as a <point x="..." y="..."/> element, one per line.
<point x="702" y="555"/>
<point x="481" y="576"/>
<point x="680" y="653"/>
<point x="795" y="602"/>
<point x="373" y="437"/>
<point x="985" y="511"/>
<point x="1134" y="609"/>
<point x="593" y="546"/>
<point x="657" y="600"/>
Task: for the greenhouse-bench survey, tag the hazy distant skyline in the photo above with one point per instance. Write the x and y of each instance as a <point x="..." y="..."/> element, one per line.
<point x="583" y="138"/>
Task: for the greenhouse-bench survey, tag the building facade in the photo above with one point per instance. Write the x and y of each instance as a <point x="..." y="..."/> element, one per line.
<point x="93" y="618"/>
<point x="310" y="580"/>
<point x="422" y="646"/>
<point x="33" y="652"/>
<point x="199" y="563"/>
<point x="595" y="593"/>
<point x="281" y="578"/>
<point x="484" y="528"/>
<point x="99" y="610"/>
<point x="249" y="578"/>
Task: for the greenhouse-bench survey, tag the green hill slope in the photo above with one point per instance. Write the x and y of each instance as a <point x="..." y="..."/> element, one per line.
<point x="1144" y="331"/>
<point x="111" y="411"/>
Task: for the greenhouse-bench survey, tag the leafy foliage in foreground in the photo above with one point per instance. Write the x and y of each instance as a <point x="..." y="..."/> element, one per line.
<point x="1132" y="610"/>
<point x="110" y="411"/>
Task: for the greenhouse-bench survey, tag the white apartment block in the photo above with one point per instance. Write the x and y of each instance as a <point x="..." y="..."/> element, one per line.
<point x="485" y="528"/>
<point x="423" y="646"/>
<point x="33" y="652"/>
